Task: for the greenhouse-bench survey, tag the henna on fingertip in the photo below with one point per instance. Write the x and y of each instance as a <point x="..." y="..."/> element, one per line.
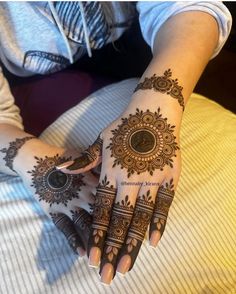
<point x="91" y="156"/>
<point x="141" y="219"/>
<point x="102" y="208"/>
<point x="164" y="199"/>
<point x="66" y="226"/>
<point x="122" y="214"/>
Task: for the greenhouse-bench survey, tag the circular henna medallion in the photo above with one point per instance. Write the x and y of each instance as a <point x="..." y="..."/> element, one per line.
<point x="57" y="179"/>
<point x="52" y="185"/>
<point x="143" y="142"/>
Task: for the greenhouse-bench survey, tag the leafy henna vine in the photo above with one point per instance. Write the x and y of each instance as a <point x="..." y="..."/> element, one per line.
<point x="12" y="150"/>
<point x="139" y="225"/>
<point x="163" y="84"/>
<point x="143" y="142"/>
<point x="122" y="213"/>
<point x="164" y="199"/>
<point x="101" y="213"/>
<point x="53" y="186"/>
<point x="89" y="155"/>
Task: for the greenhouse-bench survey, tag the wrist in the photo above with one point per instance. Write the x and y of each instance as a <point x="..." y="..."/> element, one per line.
<point x="25" y="157"/>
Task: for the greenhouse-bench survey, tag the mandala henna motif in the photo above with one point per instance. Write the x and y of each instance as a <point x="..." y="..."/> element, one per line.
<point x="164" y="199"/>
<point x="163" y="84"/>
<point x="122" y="213"/>
<point x="101" y="213"/>
<point x="88" y="156"/>
<point x="65" y="225"/>
<point x="143" y="142"/>
<point x="53" y="186"/>
<point x="141" y="219"/>
<point x="12" y="150"/>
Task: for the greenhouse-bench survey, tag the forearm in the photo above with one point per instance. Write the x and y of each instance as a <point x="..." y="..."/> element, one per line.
<point x="22" y="159"/>
<point x="183" y="44"/>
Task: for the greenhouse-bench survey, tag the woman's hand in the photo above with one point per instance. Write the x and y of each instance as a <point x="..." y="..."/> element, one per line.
<point x="67" y="199"/>
<point x="140" y="169"/>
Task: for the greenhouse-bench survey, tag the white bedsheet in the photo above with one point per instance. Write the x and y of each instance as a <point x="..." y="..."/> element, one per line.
<point x="197" y="253"/>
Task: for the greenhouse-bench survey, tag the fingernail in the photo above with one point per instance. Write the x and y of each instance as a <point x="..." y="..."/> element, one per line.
<point x="64" y="165"/>
<point x="124" y="264"/>
<point x="94" y="257"/>
<point x="155" y="237"/>
<point x="80" y="251"/>
<point x="107" y="274"/>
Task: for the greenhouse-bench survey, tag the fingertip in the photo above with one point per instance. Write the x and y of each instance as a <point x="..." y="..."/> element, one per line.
<point x="155" y="238"/>
<point x="64" y="165"/>
<point x="94" y="257"/>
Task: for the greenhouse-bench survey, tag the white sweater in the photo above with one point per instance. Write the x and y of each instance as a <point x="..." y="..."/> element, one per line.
<point x="45" y="37"/>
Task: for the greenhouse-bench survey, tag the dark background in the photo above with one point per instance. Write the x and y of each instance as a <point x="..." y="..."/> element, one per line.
<point x="132" y="56"/>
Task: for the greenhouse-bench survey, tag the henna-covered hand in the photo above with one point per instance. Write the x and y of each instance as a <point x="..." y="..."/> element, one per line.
<point x="67" y="199"/>
<point x="140" y="170"/>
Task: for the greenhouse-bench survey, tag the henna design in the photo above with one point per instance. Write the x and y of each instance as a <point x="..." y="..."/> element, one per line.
<point x="120" y="221"/>
<point x="13" y="149"/>
<point x="88" y="156"/>
<point x="143" y="142"/>
<point x="66" y="226"/>
<point x="140" y="221"/>
<point x="163" y="84"/>
<point x="101" y="214"/>
<point x="82" y="222"/>
<point x="53" y="186"/>
<point x="164" y="199"/>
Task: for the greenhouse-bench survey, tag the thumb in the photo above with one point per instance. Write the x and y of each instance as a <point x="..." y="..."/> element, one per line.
<point x="89" y="159"/>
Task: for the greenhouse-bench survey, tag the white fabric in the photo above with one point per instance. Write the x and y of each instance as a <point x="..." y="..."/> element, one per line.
<point x="197" y="252"/>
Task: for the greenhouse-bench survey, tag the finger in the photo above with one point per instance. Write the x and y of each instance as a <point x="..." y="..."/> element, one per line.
<point x="122" y="213"/>
<point x="66" y="226"/>
<point x="82" y="223"/>
<point x="164" y="199"/>
<point x="104" y="199"/>
<point x="141" y="219"/>
<point x="89" y="159"/>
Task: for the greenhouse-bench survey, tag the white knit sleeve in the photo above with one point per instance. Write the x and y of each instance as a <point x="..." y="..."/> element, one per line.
<point x="9" y="112"/>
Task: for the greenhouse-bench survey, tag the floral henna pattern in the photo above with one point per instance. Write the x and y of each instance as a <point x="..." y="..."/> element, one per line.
<point x="82" y="221"/>
<point x="163" y="84"/>
<point x="138" y="228"/>
<point x="66" y="226"/>
<point x="164" y="199"/>
<point x="53" y="186"/>
<point x="120" y="221"/>
<point x="89" y="155"/>
<point x="12" y="150"/>
<point x="143" y="142"/>
<point x="101" y="213"/>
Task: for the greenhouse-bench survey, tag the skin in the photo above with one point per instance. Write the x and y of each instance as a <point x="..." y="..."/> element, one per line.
<point x="184" y="43"/>
<point x="184" y="46"/>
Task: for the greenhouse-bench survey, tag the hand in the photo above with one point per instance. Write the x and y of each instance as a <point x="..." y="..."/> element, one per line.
<point x="67" y="199"/>
<point x="140" y="169"/>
